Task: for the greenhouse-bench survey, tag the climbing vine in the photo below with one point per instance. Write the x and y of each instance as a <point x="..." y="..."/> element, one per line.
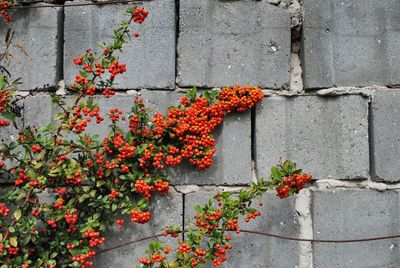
<point x="91" y="183"/>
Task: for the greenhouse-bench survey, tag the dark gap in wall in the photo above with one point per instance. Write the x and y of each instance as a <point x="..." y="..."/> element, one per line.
<point x="183" y="216"/>
<point x="253" y="138"/>
<point x="60" y="46"/>
<point x="23" y="113"/>
<point x="176" y="38"/>
<point x="371" y="142"/>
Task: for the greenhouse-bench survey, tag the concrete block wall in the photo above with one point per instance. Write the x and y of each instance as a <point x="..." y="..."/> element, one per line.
<point x="330" y="73"/>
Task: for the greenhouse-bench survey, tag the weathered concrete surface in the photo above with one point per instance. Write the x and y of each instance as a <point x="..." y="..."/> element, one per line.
<point x="350" y="42"/>
<point x="355" y="214"/>
<point x="38" y="111"/>
<point x="327" y="136"/>
<point x="233" y="42"/>
<point x="278" y="217"/>
<point x="166" y="211"/>
<point x="385" y="114"/>
<point x="232" y="161"/>
<point x="34" y="53"/>
<point x="150" y="59"/>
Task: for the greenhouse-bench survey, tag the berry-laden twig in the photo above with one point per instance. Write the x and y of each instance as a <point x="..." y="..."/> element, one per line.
<point x="209" y="239"/>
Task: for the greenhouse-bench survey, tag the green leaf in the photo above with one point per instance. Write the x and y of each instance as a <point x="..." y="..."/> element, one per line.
<point x="3" y="81"/>
<point x="8" y="115"/>
<point x="226" y="194"/>
<point x="17" y="214"/>
<point x="191" y="94"/>
<point x="13" y="241"/>
<point x="276" y="173"/>
<point x="20" y="197"/>
<point x="197" y="208"/>
<point x="114" y="207"/>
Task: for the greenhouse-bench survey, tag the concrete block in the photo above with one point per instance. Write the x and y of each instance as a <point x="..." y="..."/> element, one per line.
<point x="150" y="59"/>
<point x="355" y="214"/>
<point x="157" y="101"/>
<point x="277" y="217"/>
<point x="326" y="136"/>
<point x="385" y="114"/>
<point x="166" y="211"/>
<point x="233" y="42"/>
<point x="350" y="43"/>
<point x="233" y="144"/>
<point x="35" y="53"/>
<point x="38" y="111"/>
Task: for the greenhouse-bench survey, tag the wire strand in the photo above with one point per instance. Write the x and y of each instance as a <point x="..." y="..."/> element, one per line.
<point x="269" y="235"/>
<point x="337" y="241"/>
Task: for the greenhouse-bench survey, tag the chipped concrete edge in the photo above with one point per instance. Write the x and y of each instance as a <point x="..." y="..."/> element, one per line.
<point x="303" y="209"/>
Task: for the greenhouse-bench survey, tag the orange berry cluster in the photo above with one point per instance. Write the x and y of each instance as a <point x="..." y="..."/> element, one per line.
<point x="292" y="184"/>
<point x="145" y="261"/>
<point x="157" y="257"/>
<point x="21" y="177"/>
<point x="140" y="217"/>
<point x="120" y="223"/>
<point x="59" y="204"/>
<point x="198" y="257"/>
<point x="193" y="124"/>
<point x="71" y="217"/>
<point x="4" y="210"/>
<point x="82" y="259"/>
<point x="253" y="215"/>
<point x="115" y="69"/>
<point x="115" y="114"/>
<point x="36" y="148"/>
<point x="184" y="248"/>
<point x="4" y="123"/>
<point x="220" y="254"/>
<point x="143" y="188"/>
<point x="5" y="95"/>
<point x="233" y="225"/>
<point x="161" y="187"/>
<point x="208" y="221"/>
<point x="13" y="251"/>
<point x="70" y="246"/>
<point x="78" y="124"/>
<point x="139" y="15"/>
<point x="52" y="223"/>
<point x="240" y="98"/>
<point x="114" y="194"/>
